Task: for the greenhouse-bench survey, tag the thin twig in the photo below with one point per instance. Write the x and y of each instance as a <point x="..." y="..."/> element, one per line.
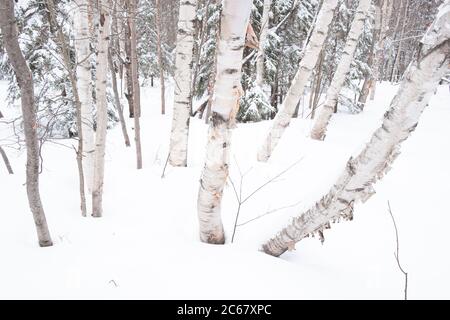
<point x="269" y="212"/>
<point x="396" y="254"/>
<point x="271" y="180"/>
<point x="165" y="165"/>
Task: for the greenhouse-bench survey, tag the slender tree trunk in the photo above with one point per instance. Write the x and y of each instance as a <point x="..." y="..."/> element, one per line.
<point x="327" y="110"/>
<point x="64" y="48"/>
<point x="212" y="79"/>
<point x="369" y="77"/>
<point x="102" y="106"/>
<point x="262" y="43"/>
<point x="198" y="52"/>
<point x="183" y="77"/>
<point x="135" y="82"/>
<point x="24" y="80"/>
<point x="355" y="183"/>
<point x="307" y="64"/>
<point x="234" y="19"/>
<point x="128" y="74"/>
<point x="383" y="18"/>
<point x="160" y="57"/>
<point x="119" y="107"/>
<point x="318" y="84"/>
<point x="6" y="161"/>
<point x="400" y="43"/>
<point x="84" y="87"/>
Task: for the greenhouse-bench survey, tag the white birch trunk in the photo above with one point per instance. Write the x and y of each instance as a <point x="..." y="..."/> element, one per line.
<point x="83" y="71"/>
<point x="234" y="20"/>
<point x="327" y="110"/>
<point x="183" y="77"/>
<point x="262" y="43"/>
<point x="355" y="184"/>
<point x="102" y="104"/>
<point x="295" y="92"/>
<point x="135" y="81"/>
<point x="384" y="19"/>
<point x="160" y="56"/>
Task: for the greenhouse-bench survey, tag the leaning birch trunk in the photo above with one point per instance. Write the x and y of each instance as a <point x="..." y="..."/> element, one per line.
<point x="83" y="71"/>
<point x="6" y="161"/>
<point x="295" y="92"/>
<point x="160" y="57"/>
<point x="102" y="104"/>
<point x="327" y="110"/>
<point x="421" y="80"/>
<point x="65" y="54"/>
<point x="183" y="77"/>
<point x="234" y="20"/>
<point x="24" y="79"/>
<point x="262" y="43"/>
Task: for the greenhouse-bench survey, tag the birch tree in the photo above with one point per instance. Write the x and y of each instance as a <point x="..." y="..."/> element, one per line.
<point x="135" y="81"/>
<point x="65" y="54"/>
<point x="262" y="42"/>
<point x="183" y="77"/>
<point x="356" y="182"/>
<point x="24" y="79"/>
<point x="84" y="87"/>
<point x="385" y="18"/>
<point x="102" y="104"/>
<point x="327" y="110"/>
<point x="307" y="64"/>
<point x="160" y="57"/>
<point x="234" y="20"/>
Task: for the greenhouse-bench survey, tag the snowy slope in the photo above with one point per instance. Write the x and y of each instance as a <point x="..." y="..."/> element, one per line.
<point x="146" y="245"/>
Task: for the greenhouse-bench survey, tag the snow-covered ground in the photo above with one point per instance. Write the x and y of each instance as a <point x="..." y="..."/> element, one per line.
<point x="146" y="246"/>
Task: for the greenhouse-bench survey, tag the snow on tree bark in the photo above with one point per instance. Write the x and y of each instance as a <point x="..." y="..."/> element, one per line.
<point x="262" y="42"/>
<point x="83" y="71"/>
<point x="24" y="79"/>
<point x="102" y="103"/>
<point x="327" y="110"/>
<point x="307" y="64"/>
<point x="234" y="20"/>
<point x="183" y="77"/>
<point x="355" y="183"/>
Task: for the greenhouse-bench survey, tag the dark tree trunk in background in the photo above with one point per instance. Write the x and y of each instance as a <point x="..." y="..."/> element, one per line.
<point x="6" y="160"/>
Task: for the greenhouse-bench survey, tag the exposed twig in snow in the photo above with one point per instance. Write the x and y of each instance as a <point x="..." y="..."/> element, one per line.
<point x="241" y="200"/>
<point x="269" y="212"/>
<point x="396" y="254"/>
<point x="165" y="165"/>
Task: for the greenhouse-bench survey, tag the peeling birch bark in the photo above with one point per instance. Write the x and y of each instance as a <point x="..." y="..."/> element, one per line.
<point x="295" y="92"/>
<point x="234" y="20"/>
<point x="326" y="111"/>
<point x="183" y="77"/>
<point x="356" y="182"/>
